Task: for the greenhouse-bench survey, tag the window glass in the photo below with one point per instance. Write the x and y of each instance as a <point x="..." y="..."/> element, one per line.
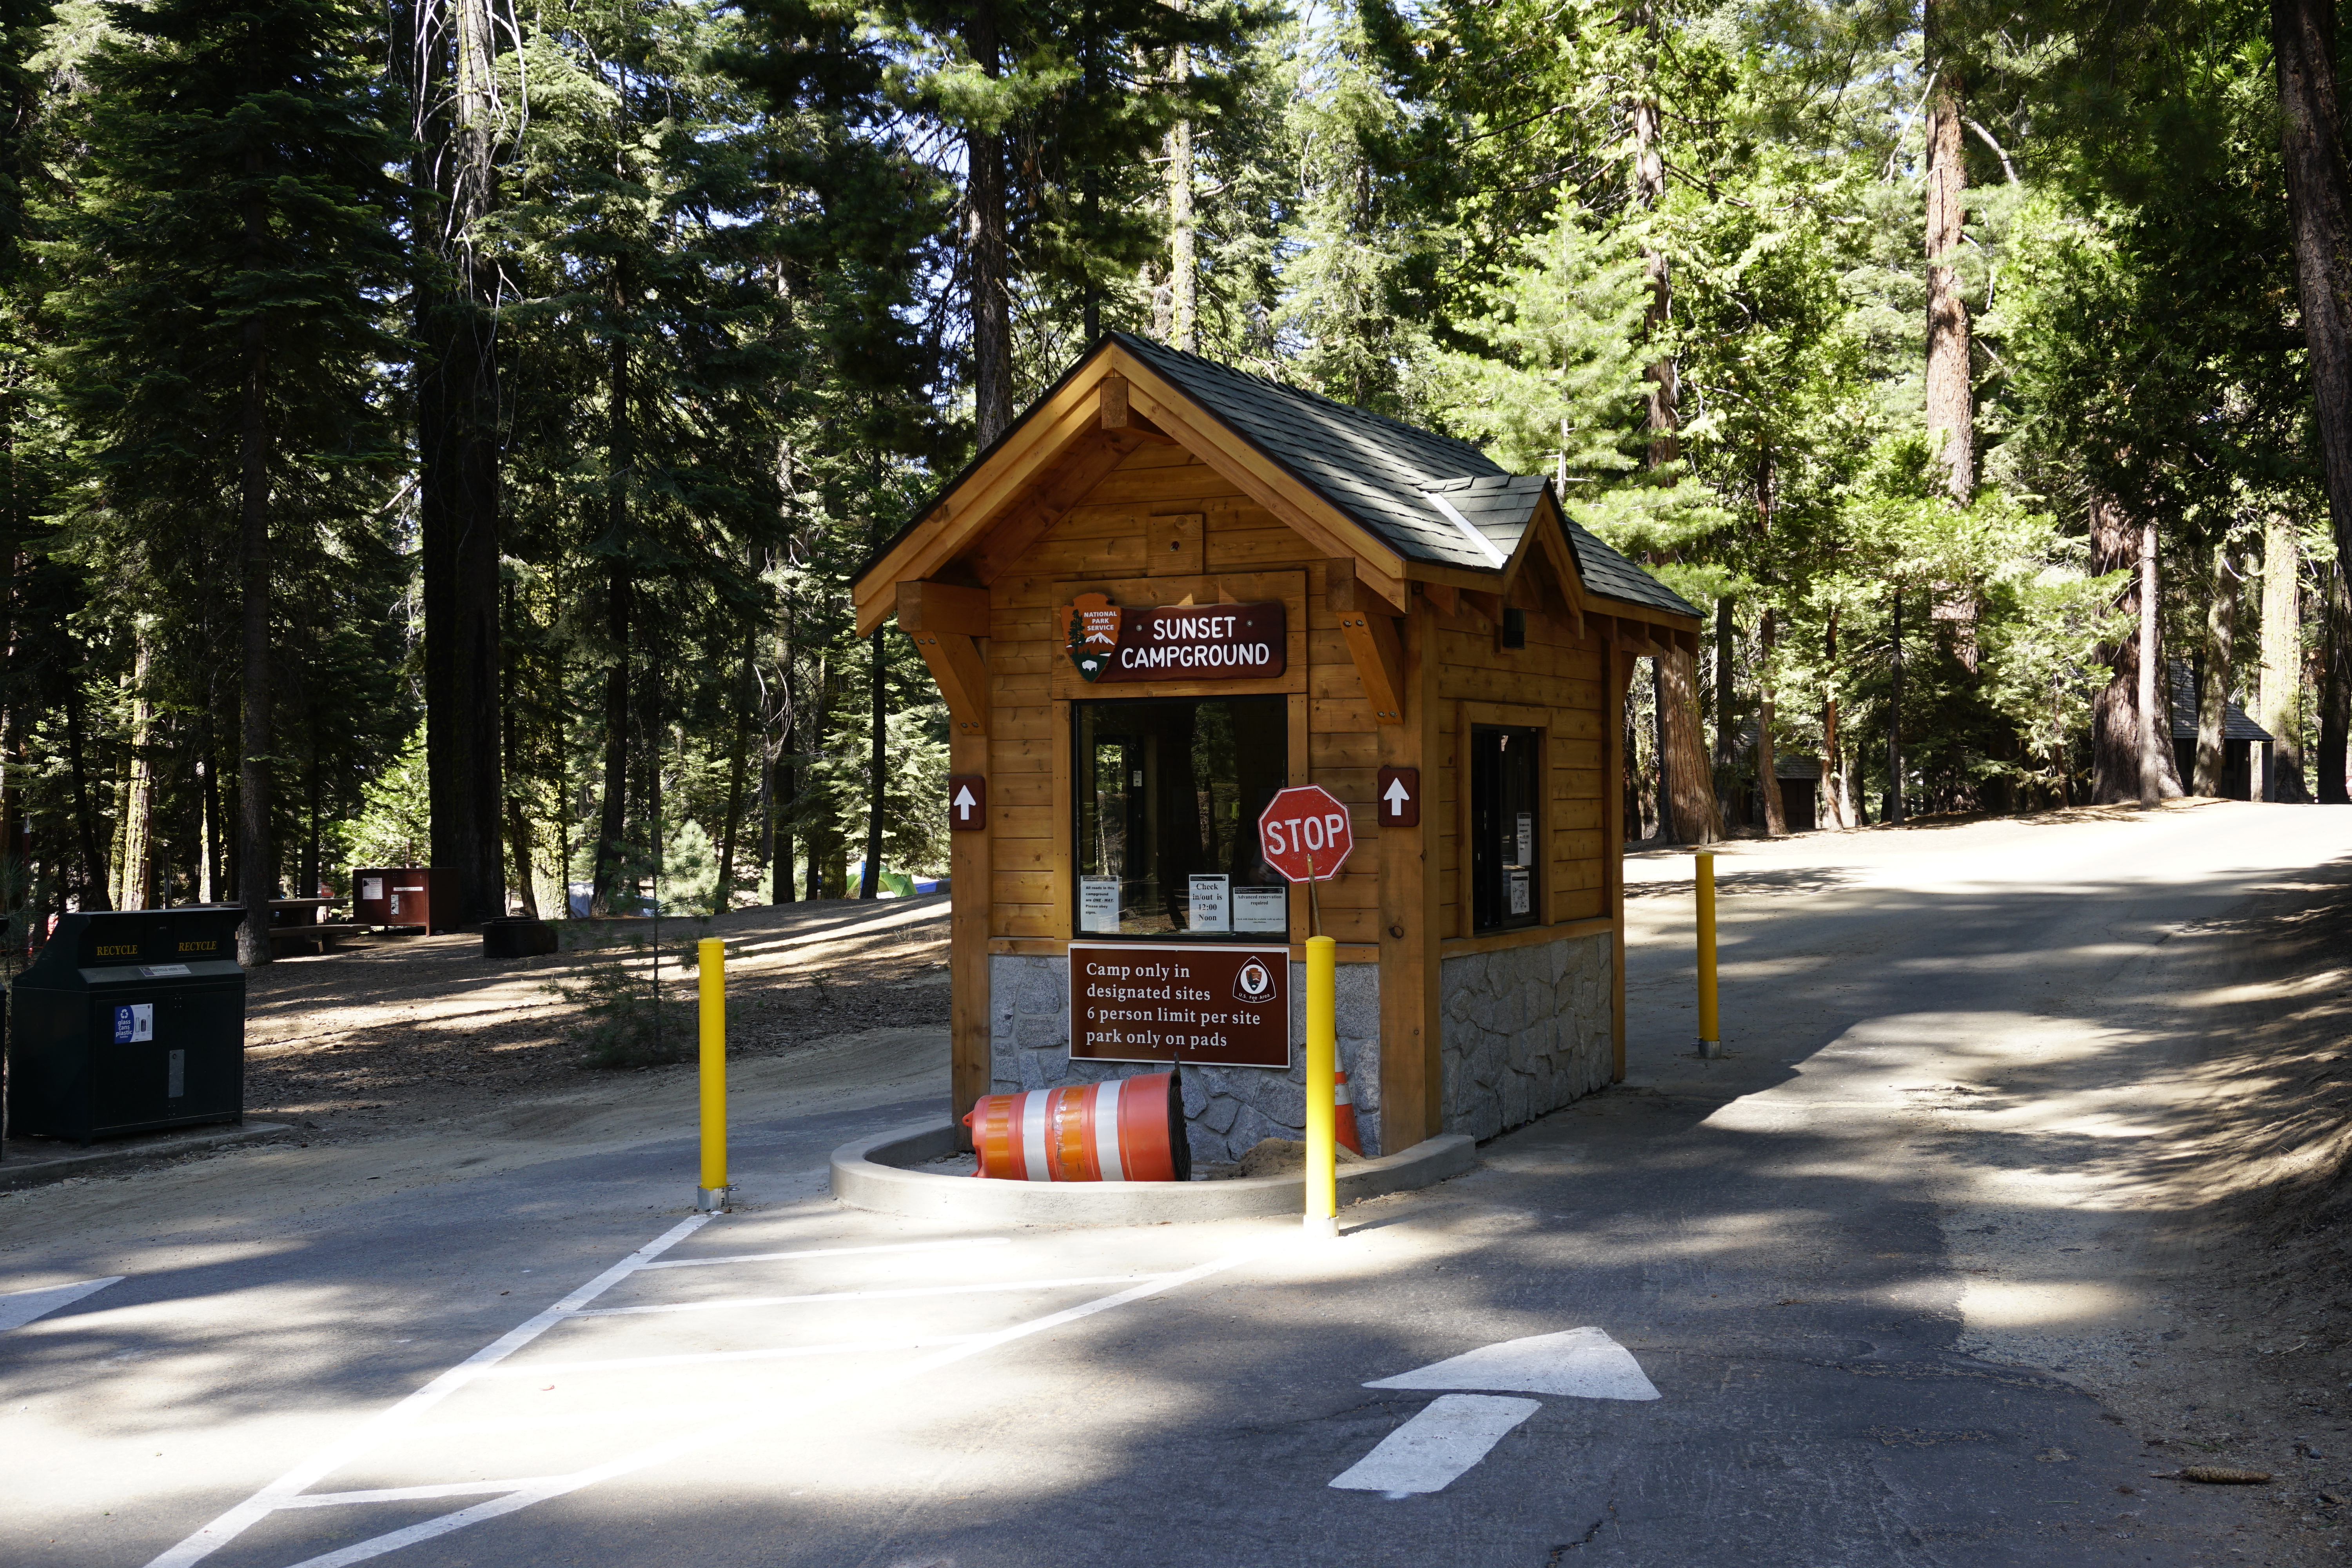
<point x="1167" y="793"/>
<point x="1505" y="826"/>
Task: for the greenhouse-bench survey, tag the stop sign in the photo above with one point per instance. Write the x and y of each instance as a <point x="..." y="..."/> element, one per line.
<point x="1301" y="825"/>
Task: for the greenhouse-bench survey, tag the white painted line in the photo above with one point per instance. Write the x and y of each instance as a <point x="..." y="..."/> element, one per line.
<point x="1585" y="1362"/>
<point x="731" y="1302"/>
<point x="781" y="1414"/>
<point x="1428" y="1452"/>
<point x="244" y="1515"/>
<point x="633" y="1363"/>
<point x="831" y="1252"/>
<point x="412" y="1494"/>
<point x="21" y="1307"/>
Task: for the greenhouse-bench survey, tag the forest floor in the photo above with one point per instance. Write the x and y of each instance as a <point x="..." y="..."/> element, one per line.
<point x="376" y="1040"/>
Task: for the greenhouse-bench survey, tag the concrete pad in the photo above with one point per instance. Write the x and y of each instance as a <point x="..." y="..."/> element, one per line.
<point x="873" y="1173"/>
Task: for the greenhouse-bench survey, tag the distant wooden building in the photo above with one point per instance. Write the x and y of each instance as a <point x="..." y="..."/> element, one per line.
<point x="1172" y="588"/>
<point x="2246" y="746"/>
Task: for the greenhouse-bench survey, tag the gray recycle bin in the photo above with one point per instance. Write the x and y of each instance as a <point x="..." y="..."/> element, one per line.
<point x="129" y="1022"/>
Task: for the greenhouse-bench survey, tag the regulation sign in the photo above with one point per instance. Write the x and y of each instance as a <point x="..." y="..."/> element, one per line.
<point x="1216" y="1007"/>
<point x="1303" y="834"/>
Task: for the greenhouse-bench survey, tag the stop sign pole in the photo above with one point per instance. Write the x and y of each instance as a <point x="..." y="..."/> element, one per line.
<point x="1305" y="835"/>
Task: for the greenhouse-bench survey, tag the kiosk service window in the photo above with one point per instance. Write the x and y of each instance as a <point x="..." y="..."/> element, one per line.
<point x="1506" y="804"/>
<point x="1166" y="795"/>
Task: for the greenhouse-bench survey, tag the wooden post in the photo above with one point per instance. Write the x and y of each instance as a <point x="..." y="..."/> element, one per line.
<point x="1412" y="1071"/>
<point x="1620" y="662"/>
<point x="970" y="891"/>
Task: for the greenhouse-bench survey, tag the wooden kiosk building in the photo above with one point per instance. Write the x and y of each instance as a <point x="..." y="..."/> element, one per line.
<point x="1171" y="589"/>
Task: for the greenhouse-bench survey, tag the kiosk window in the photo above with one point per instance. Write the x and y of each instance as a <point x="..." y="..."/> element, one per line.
<point x="1167" y="793"/>
<point x="1505" y="826"/>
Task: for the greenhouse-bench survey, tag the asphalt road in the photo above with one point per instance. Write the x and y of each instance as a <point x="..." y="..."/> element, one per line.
<point x="1863" y="1264"/>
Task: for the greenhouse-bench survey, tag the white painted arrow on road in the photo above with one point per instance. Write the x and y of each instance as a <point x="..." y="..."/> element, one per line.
<point x="1430" y="1451"/>
<point x="24" y="1306"/>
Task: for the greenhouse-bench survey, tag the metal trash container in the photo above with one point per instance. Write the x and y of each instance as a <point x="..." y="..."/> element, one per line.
<point x="129" y="1022"/>
<point x="405" y="896"/>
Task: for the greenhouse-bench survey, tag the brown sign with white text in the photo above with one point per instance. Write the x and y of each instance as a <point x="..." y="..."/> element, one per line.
<point x="1214" y="1007"/>
<point x="1173" y="642"/>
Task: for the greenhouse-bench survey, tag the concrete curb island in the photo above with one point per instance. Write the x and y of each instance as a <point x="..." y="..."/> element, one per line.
<point x="873" y="1173"/>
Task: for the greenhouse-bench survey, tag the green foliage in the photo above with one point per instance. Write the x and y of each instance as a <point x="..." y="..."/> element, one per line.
<point x="394" y="825"/>
<point x="625" y="1025"/>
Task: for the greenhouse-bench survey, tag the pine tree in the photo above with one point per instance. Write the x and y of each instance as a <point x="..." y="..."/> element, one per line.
<point x="223" y="348"/>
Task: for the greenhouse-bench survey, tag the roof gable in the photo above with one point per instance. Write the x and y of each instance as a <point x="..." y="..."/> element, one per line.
<point x="1405" y="502"/>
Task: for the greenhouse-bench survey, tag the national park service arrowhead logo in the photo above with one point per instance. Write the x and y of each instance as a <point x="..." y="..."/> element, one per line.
<point x="1093" y="622"/>
<point x="1253" y="982"/>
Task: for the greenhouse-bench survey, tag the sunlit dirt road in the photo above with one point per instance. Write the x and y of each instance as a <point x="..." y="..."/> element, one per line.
<point x="1876" y="1268"/>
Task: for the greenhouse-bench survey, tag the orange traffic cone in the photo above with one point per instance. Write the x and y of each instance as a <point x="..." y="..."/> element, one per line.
<point x="1343" y="1118"/>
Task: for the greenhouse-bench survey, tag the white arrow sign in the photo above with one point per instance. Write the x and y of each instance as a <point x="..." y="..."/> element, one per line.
<point x="1429" y="1452"/>
<point x="963" y="802"/>
<point x="1396" y="798"/>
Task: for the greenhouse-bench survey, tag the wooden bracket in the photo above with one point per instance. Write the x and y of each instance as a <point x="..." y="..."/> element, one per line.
<point x="1444" y="596"/>
<point x="961" y="672"/>
<point x="1380" y="662"/>
<point x="945" y="619"/>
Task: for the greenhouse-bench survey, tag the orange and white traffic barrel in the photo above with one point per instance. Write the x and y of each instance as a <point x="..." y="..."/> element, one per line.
<point x="1343" y="1118"/>
<point x="1127" y="1129"/>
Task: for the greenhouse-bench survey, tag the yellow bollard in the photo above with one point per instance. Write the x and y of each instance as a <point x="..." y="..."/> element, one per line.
<point x="1322" y="1065"/>
<point x="1710" y="1039"/>
<point x="712" y="1194"/>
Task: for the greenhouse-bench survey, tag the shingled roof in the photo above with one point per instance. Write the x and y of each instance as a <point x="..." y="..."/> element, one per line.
<point x="2235" y="725"/>
<point x="1428" y="497"/>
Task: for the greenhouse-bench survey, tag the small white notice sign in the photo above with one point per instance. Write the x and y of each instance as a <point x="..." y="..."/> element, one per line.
<point x="371" y="888"/>
<point x="1099" y="904"/>
<point x="1521" y="897"/>
<point x="1212" y="907"/>
<point x="1527" y="854"/>
<point x="1261" y="908"/>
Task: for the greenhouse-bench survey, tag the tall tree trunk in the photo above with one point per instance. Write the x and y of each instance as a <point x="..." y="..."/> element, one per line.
<point x="746" y="699"/>
<point x="257" y="857"/>
<point x="2335" y="693"/>
<point x="2156" y="722"/>
<point x="2215" y="672"/>
<point x="1649" y="190"/>
<point x="94" y="894"/>
<point x="2319" y="208"/>
<point x="823" y="836"/>
<point x="870" y="885"/>
<point x="1833" y="790"/>
<point x="605" y="879"/>
<point x="1689" y="787"/>
<point x="2282" y="697"/>
<point x="208" y="816"/>
<point x="137" y="880"/>
<point x="1183" y="271"/>
<point x="1726" y="711"/>
<point x="1768" y="778"/>
<point x="783" y="807"/>
<point x="517" y="820"/>
<point x="1951" y="408"/>
<point x="2116" y="545"/>
<point x="457" y="439"/>
<point x="1895" y="712"/>
<point x="986" y="259"/>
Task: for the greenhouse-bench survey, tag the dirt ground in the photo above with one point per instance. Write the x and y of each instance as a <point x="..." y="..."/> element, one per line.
<point x="411" y="1030"/>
